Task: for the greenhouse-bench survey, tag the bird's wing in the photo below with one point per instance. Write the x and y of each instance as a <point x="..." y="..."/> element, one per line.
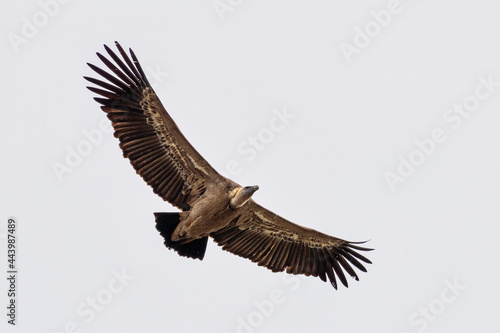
<point x="148" y="136"/>
<point x="271" y="241"/>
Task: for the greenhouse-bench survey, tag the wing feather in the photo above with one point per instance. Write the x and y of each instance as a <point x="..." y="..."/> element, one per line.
<point x="331" y="275"/>
<point x="324" y="266"/>
<point x="271" y="241"/>
<point x="336" y="268"/>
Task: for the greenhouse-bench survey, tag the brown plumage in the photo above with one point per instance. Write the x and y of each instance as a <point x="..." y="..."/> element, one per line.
<point x="211" y="205"/>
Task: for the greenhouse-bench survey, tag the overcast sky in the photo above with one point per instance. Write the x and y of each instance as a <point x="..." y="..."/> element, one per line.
<point x="374" y="120"/>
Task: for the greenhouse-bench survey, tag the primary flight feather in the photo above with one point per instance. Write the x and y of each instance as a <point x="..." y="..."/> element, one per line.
<point x="211" y="205"/>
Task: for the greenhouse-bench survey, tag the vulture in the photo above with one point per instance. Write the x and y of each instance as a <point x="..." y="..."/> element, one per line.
<point x="210" y="204"/>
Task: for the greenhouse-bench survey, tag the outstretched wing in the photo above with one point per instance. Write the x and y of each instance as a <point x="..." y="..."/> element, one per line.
<point x="271" y="241"/>
<point x="148" y="136"/>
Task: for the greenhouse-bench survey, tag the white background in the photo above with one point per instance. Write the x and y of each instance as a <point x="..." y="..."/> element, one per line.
<point x="355" y="118"/>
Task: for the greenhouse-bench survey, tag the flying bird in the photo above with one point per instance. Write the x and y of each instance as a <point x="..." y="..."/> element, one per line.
<point x="211" y="205"/>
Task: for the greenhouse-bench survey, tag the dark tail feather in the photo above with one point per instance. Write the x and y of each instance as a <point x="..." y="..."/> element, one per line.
<point x="166" y="224"/>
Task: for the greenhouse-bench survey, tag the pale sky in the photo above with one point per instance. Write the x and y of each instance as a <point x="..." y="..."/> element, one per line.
<point x="366" y="121"/>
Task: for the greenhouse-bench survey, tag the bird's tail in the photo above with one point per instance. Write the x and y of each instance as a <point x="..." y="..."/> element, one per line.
<point x="166" y="224"/>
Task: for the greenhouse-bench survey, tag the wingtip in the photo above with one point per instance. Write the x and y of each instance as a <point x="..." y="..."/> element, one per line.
<point x="360" y="248"/>
<point x="362" y="242"/>
<point x="100" y="56"/>
<point x="118" y="45"/>
<point x="134" y="58"/>
<point x="94" y="67"/>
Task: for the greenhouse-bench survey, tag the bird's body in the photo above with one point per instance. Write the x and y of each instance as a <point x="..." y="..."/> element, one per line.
<point x="210" y="213"/>
<point x="211" y="205"/>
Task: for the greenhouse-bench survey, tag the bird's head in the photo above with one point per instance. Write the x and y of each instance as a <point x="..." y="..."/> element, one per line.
<point x="241" y="195"/>
<point x="250" y="189"/>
